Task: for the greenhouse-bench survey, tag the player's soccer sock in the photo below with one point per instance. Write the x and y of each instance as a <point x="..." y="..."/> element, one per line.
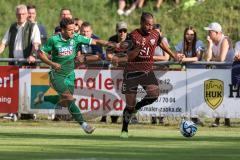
<point x="145" y="101"/>
<point x="127" y="113"/>
<point x="53" y="99"/>
<point x="75" y="112"/>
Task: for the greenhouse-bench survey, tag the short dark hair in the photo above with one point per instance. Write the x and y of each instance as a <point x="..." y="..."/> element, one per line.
<point x="31" y="6"/>
<point x="65" y="8"/>
<point x="145" y="16"/>
<point x="86" y="24"/>
<point x="157" y="26"/>
<point x="66" y="21"/>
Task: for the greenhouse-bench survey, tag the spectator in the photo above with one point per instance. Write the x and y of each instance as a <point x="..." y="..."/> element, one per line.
<point x="159" y="55"/>
<point x="23" y="39"/>
<point x="64" y="13"/>
<point x="219" y="49"/>
<point x="122" y="5"/>
<point x="32" y="14"/>
<point x="78" y="22"/>
<point x="236" y="66"/>
<point x="190" y="49"/>
<point x="117" y="56"/>
<point x="89" y="53"/>
<point x="159" y="3"/>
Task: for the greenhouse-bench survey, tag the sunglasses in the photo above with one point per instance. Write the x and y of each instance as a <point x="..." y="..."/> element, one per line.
<point x="122" y="30"/>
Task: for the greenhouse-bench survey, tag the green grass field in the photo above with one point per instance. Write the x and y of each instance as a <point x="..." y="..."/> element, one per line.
<point x="66" y="141"/>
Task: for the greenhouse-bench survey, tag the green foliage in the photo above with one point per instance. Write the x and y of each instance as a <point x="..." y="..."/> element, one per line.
<point x="102" y="14"/>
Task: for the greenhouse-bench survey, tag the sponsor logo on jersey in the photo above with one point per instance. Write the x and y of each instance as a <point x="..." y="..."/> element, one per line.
<point x="65" y="51"/>
<point x="213" y="92"/>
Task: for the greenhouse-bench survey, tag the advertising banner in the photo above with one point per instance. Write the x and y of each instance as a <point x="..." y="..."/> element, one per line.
<point x="9" y="88"/>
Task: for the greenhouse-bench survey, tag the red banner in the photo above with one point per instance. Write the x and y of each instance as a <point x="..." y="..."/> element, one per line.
<point x="9" y="89"/>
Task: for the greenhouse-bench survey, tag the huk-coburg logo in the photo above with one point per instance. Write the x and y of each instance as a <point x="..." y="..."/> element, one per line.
<point x="213" y="92"/>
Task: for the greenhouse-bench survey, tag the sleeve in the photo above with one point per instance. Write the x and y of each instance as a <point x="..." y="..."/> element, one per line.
<point x="5" y="39"/>
<point x="199" y="46"/>
<point x="179" y="47"/>
<point x="48" y="46"/>
<point x="36" y="36"/>
<point x="237" y="48"/>
<point x="83" y="39"/>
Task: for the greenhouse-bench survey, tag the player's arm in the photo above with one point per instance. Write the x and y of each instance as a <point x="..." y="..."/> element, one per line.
<point x="166" y="49"/>
<point x="47" y="61"/>
<point x="133" y="53"/>
<point x="104" y="43"/>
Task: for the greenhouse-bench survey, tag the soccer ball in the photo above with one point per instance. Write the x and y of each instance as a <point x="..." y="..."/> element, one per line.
<point x="188" y="128"/>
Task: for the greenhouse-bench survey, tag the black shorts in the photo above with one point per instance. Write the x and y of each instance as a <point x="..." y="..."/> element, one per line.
<point x="131" y="80"/>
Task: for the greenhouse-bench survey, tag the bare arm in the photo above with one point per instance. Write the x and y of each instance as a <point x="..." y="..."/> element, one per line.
<point x="208" y="55"/>
<point x="47" y="61"/>
<point x="2" y="47"/>
<point x="223" y="51"/>
<point x="166" y="49"/>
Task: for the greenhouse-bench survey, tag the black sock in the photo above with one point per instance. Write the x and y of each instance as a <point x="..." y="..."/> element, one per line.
<point x="127" y="113"/>
<point x="145" y="101"/>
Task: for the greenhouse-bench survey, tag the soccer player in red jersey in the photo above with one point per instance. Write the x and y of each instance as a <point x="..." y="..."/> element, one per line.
<point x="138" y="70"/>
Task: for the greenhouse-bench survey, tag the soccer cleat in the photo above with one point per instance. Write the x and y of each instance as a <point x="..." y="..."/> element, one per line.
<point x="124" y="134"/>
<point x="39" y="98"/>
<point x="88" y="129"/>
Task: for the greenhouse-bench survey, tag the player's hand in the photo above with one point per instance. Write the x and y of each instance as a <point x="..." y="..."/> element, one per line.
<point x="80" y="59"/>
<point x="56" y="66"/>
<point x="31" y="59"/>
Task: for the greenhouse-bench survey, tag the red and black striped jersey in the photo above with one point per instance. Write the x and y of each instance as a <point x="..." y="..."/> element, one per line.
<point x="144" y="60"/>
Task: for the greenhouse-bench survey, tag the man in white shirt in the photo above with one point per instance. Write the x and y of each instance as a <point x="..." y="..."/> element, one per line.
<point x="23" y="37"/>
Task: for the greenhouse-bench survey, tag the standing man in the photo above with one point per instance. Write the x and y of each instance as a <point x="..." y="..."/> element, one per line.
<point x="63" y="49"/>
<point x="32" y="17"/>
<point x="138" y="70"/>
<point x="23" y="38"/>
<point x="64" y="13"/>
<point x="219" y="49"/>
<point x="88" y="52"/>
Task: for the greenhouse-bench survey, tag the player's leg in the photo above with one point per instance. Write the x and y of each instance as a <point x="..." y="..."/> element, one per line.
<point x="65" y="88"/>
<point x="128" y="110"/>
<point x="129" y="88"/>
<point x="150" y="84"/>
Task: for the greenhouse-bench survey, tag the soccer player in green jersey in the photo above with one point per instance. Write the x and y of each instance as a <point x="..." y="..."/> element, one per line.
<point x="63" y="50"/>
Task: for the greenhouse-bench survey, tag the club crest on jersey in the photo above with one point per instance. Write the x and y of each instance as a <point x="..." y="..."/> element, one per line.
<point x="152" y="41"/>
<point x="71" y="42"/>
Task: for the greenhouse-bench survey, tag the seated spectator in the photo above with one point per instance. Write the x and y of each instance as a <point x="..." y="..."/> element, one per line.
<point x="89" y="53"/>
<point x="122" y="5"/>
<point x="159" y="3"/>
<point x="219" y="49"/>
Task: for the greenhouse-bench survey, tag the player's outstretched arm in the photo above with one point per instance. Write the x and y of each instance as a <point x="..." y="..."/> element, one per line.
<point x="165" y="47"/>
<point x="47" y="61"/>
<point x="104" y="43"/>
